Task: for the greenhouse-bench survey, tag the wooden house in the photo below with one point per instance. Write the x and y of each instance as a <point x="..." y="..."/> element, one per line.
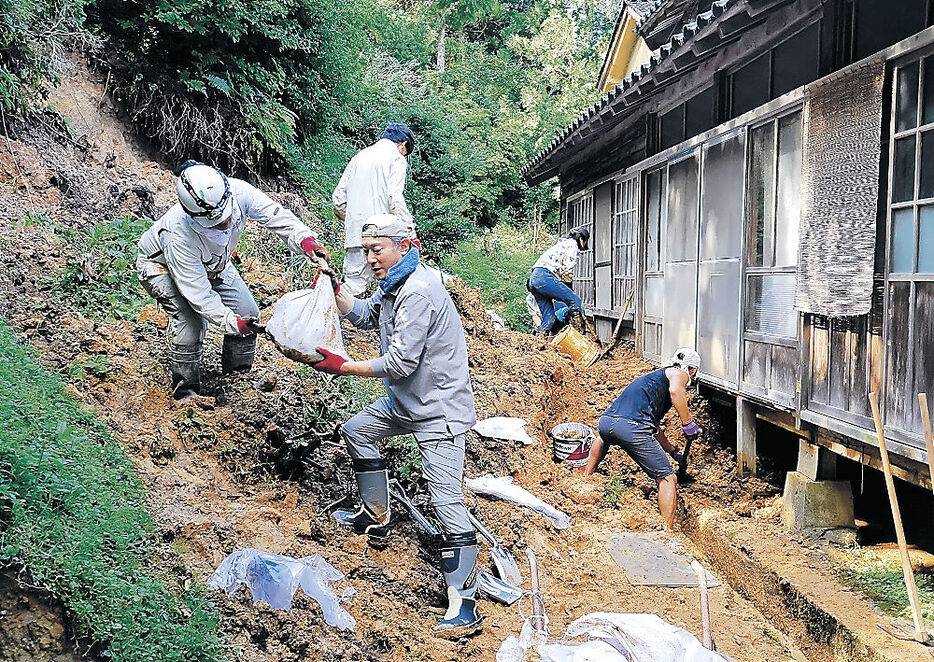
<point x="764" y="185"/>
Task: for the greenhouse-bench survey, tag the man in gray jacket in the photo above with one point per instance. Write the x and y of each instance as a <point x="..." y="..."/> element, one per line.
<point x="372" y="183"/>
<point x="423" y="363"/>
<point x="184" y="263"/>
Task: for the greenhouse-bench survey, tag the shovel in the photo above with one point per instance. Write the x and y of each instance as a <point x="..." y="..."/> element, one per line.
<point x="395" y="489"/>
<point x="505" y="562"/>
<point x="490" y="586"/>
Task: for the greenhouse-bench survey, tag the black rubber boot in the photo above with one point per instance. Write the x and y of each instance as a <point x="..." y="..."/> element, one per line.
<point x="373" y="517"/>
<point x="185" y="366"/>
<point x="459" y="567"/>
<point x="238" y="353"/>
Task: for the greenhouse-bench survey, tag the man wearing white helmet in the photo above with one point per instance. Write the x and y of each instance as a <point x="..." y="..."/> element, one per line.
<point x="184" y="263"/>
<point x="423" y="365"/>
<point x="634" y="419"/>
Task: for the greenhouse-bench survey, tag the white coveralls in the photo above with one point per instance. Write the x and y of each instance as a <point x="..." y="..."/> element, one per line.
<point x="372" y="183"/>
<point x="187" y="269"/>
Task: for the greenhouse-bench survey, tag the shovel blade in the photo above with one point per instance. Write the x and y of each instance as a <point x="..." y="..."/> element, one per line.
<point x="497" y="589"/>
<point x="506" y="565"/>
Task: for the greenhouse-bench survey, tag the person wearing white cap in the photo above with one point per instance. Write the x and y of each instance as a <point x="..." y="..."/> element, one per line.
<point x="184" y="262"/>
<point x="423" y="364"/>
<point x="634" y="419"/>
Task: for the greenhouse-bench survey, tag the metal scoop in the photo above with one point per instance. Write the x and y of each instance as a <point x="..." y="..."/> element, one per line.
<point x="505" y="562"/>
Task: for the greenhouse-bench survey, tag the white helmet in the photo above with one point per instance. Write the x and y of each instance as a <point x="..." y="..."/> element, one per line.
<point x="685" y="357"/>
<point x="204" y="193"/>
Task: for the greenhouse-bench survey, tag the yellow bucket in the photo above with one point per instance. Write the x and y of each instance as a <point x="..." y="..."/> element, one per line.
<point x="581" y="350"/>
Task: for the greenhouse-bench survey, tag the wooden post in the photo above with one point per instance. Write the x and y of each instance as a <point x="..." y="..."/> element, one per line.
<point x="928" y="436"/>
<point x="704" y="605"/>
<point x="745" y="437"/>
<point x="920" y="633"/>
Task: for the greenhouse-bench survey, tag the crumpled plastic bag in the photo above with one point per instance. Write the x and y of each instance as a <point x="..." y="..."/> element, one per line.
<point x="642" y="637"/>
<point x="504" y="427"/>
<point x="517" y="649"/>
<point x="305" y="320"/>
<point x="504" y="488"/>
<point x="273" y="579"/>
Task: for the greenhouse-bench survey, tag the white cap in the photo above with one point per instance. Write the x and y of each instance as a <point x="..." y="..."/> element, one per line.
<point x="685" y="357"/>
<point x="386" y="225"/>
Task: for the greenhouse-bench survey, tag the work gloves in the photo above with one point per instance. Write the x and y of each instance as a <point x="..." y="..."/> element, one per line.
<point x="335" y="281"/>
<point x="313" y="249"/>
<point x="676" y="455"/>
<point x="691" y="430"/>
<point x="249" y="326"/>
<point x="331" y="364"/>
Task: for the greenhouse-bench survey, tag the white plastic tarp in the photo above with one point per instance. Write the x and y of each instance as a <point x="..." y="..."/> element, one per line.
<point x="273" y="578"/>
<point x="503" y="488"/>
<point x="504" y="427"/>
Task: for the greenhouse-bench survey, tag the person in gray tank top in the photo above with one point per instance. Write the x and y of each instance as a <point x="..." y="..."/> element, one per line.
<point x="633" y="421"/>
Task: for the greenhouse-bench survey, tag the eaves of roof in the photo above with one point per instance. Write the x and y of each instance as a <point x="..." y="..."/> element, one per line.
<point x="631" y="83"/>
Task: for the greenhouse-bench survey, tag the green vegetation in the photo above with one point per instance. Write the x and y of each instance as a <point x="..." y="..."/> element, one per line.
<point x="103" y="283"/>
<point x="295" y="87"/>
<point x="616" y="487"/>
<point x="498" y="264"/>
<point x="882" y="580"/>
<point x="33" y="36"/>
<point x="71" y="513"/>
<point x="96" y="364"/>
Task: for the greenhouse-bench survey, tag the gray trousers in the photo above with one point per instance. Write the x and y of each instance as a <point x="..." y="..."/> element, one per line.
<point x="442" y="461"/>
<point x="186" y="327"/>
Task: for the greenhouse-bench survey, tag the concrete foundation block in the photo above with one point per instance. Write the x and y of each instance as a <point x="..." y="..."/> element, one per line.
<point x="816" y="504"/>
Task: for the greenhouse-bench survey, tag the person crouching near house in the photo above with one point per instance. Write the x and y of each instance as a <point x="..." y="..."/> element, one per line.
<point x="634" y="419"/>
<point x="551" y="277"/>
<point x="423" y="364"/>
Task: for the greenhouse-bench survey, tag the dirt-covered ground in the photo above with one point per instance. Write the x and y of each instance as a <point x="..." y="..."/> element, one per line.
<point x="217" y="485"/>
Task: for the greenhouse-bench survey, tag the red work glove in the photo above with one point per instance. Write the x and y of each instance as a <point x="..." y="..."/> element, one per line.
<point x="313" y="249"/>
<point x="331" y="364"/>
<point x="249" y="326"/>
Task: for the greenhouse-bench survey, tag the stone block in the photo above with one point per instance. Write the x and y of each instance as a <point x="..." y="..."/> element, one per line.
<point x="816" y="504"/>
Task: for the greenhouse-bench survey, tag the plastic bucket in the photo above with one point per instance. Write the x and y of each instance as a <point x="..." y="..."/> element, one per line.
<point x="581" y="350"/>
<point x="571" y="443"/>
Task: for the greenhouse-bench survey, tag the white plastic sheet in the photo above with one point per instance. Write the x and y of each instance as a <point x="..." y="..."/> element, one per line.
<point x="273" y="578"/>
<point x="305" y="320"/>
<point x="503" y="488"/>
<point x="504" y="427"/>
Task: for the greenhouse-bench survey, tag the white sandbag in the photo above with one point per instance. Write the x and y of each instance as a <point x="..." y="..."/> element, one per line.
<point x="305" y="320"/>
<point x="589" y="651"/>
<point x="644" y="637"/>
<point x="504" y="427"/>
<point x="504" y="488"/>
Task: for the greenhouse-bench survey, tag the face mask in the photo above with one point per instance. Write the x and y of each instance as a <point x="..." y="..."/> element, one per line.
<point x="220" y="237"/>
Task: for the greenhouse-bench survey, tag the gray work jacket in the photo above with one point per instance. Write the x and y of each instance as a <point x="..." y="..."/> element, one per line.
<point x="172" y="245"/>
<point x="423" y="354"/>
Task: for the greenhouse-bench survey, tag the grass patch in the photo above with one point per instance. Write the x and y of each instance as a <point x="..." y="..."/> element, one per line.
<point x="615" y="488"/>
<point x="72" y="514"/>
<point x="103" y="282"/>
<point x="881" y="579"/>
<point x="498" y="264"/>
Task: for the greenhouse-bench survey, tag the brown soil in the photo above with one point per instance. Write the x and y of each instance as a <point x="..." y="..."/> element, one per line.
<point x="215" y="485"/>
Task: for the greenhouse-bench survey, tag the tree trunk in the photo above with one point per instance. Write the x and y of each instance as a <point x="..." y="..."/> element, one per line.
<point x="441" y="36"/>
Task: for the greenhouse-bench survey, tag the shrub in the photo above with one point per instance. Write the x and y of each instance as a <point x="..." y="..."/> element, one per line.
<point x="72" y="514"/>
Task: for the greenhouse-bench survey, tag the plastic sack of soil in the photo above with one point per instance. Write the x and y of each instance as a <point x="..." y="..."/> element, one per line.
<point x="273" y="578"/>
<point x="623" y="637"/>
<point x="503" y="488"/>
<point x="504" y="427"/>
<point x="305" y="320"/>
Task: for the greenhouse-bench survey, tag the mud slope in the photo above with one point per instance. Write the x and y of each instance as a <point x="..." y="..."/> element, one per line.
<point x="215" y="486"/>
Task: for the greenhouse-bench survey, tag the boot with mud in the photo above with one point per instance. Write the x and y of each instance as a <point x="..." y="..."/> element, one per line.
<point x="372" y="519"/>
<point x="238" y="354"/>
<point x="459" y="566"/>
<point x="185" y="368"/>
